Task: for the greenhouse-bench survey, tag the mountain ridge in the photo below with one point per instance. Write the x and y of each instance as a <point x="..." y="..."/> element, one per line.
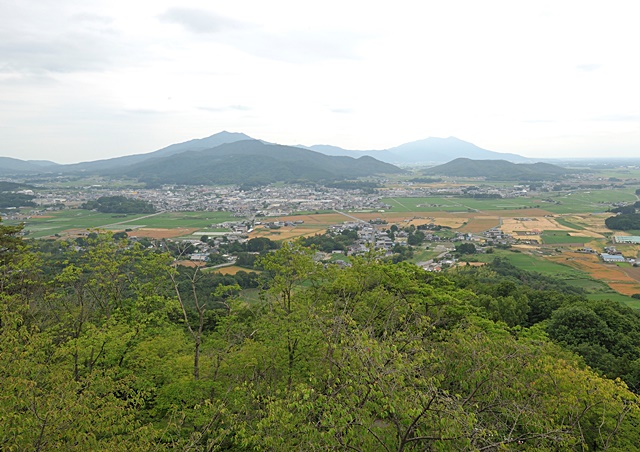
<point x="427" y="151"/>
<point x="430" y="150"/>
<point x="498" y="170"/>
<point x="254" y="162"/>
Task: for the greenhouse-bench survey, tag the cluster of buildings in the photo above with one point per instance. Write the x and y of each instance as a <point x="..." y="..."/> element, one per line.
<point x="263" y="201"/>
<point x="612" y="255"/>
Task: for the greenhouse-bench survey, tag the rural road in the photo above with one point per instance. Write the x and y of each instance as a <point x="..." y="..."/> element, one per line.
<point x="129" y="221"/>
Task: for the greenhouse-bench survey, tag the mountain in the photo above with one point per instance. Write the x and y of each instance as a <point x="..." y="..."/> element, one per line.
<point x="43" y="163"/>
<point x="253" y="162"/>
<point x="498" y="170"/>
<point x="428" y="151"/>
<point x="436" y="150"/>
<point x="327" y="149"/>
<point x="197" y="144"/>
<point x="10" y="165"/>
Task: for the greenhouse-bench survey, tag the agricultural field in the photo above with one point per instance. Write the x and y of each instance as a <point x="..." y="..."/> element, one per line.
<point x="631" y="302"/>
<point x="160" y="225"/>
<point x="451" y="204"/>
<point x="587" y="201"/>
<point x="563" y="237"/>
<point x="570" y="267"/>
<point x="231" y="270"/>
<point x="560" y="222"/>
<point x="287" y="232"/>
<point x="619" y="278"/>
<point x="480" y="224"/>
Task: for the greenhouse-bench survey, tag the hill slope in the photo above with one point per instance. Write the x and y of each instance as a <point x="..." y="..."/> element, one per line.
<point x="197" y="144"/>
<point x="254" y="162"/>
<point x="9" y="165"/>
<point x="498" y="170"/>
<point x="430" y="150"/>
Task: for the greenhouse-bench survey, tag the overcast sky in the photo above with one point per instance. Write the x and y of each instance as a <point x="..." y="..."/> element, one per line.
<point x="82" y="80"/>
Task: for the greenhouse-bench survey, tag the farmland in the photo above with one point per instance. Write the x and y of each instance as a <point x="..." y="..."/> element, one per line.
<point x="547" y="226"/>
<point x="73" y="221"/>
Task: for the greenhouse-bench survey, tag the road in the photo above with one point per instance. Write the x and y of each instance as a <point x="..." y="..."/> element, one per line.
<point x="129" y="221"/>
<point x="350" y="216"/>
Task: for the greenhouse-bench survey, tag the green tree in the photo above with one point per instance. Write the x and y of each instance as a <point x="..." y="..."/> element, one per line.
<point x="465" y="248"/>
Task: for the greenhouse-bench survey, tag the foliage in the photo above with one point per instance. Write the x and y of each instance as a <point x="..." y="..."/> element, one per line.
<point x="119" y="204"/>
<point x="465" y="248"/>
<point x="331" y="241"/>
<point x="499" y="170"/>
<point x="605" y="333"/>
<point x="113" y="349"/>
<point x="623" y="222"/>
<point x="10" y="199"/>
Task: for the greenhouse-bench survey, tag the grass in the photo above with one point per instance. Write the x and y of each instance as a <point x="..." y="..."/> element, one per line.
<point x="422" y="255"/>
<point x="569" y="224"/>
<point x="557" y="237"/>
<point x="202" y="220"/>
<point x="57" y="222"/>
<point x="587" y="201"/>
<point x="596" y="290"/>
<point x="629" y="301"/>
<point x="535" y="264"/>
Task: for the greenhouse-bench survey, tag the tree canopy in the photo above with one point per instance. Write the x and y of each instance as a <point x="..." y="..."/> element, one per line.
<point x="112" y="348"/>
<point x="119" y="204"/>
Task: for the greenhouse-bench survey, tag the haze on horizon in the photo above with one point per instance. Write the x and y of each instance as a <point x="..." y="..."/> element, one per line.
<point x="89" y="80"/>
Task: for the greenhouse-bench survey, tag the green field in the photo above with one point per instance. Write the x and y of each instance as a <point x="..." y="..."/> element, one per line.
<point x="536" y="264"/>
<point x="588" y="201"/>
<point x="595" y="289"/>
<point x="631" y="302"/>
<point x="569" y="224"/>
<point x="189" y="219"/>
<point x="57" y="222"/>
<point x="422" y="255"/>
<point x="451" y="204"/>
<point x="557" y="237"/>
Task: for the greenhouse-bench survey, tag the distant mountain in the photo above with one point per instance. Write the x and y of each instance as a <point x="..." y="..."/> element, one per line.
<point x="498" y="170"/>
<point x="10" y="165"/>
<point x="427" y="151"/>
<point x="197" y="144"/>
<point x="327" y="149"/>
<point x="435" y="150"/>
<point x="44" y="163"/>
<point x="254" y="162"/>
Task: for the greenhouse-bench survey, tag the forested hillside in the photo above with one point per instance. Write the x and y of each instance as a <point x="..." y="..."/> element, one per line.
<point x="109" y="347"/>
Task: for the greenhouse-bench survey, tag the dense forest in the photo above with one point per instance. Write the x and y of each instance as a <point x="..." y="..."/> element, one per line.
<point x="10" y="199"/>
<point x="624" y="222"/>
<point x="119" y="204"/>
<point x="108" y="346"/>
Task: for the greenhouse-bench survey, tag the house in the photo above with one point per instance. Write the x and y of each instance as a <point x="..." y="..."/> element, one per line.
<point x="612" y="257"/>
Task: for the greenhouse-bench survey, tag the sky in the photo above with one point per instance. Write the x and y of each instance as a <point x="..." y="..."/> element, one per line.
<point x="83" y="80"/>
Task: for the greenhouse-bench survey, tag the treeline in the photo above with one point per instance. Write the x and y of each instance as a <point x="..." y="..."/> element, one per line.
<point x="10" y="199"/>
<point x="329" y="242"/>
<point x="115" y="349"/>
<point x="630" y="209"/>
<point x="624" y="222"/>
<point x="119" y="204"/>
